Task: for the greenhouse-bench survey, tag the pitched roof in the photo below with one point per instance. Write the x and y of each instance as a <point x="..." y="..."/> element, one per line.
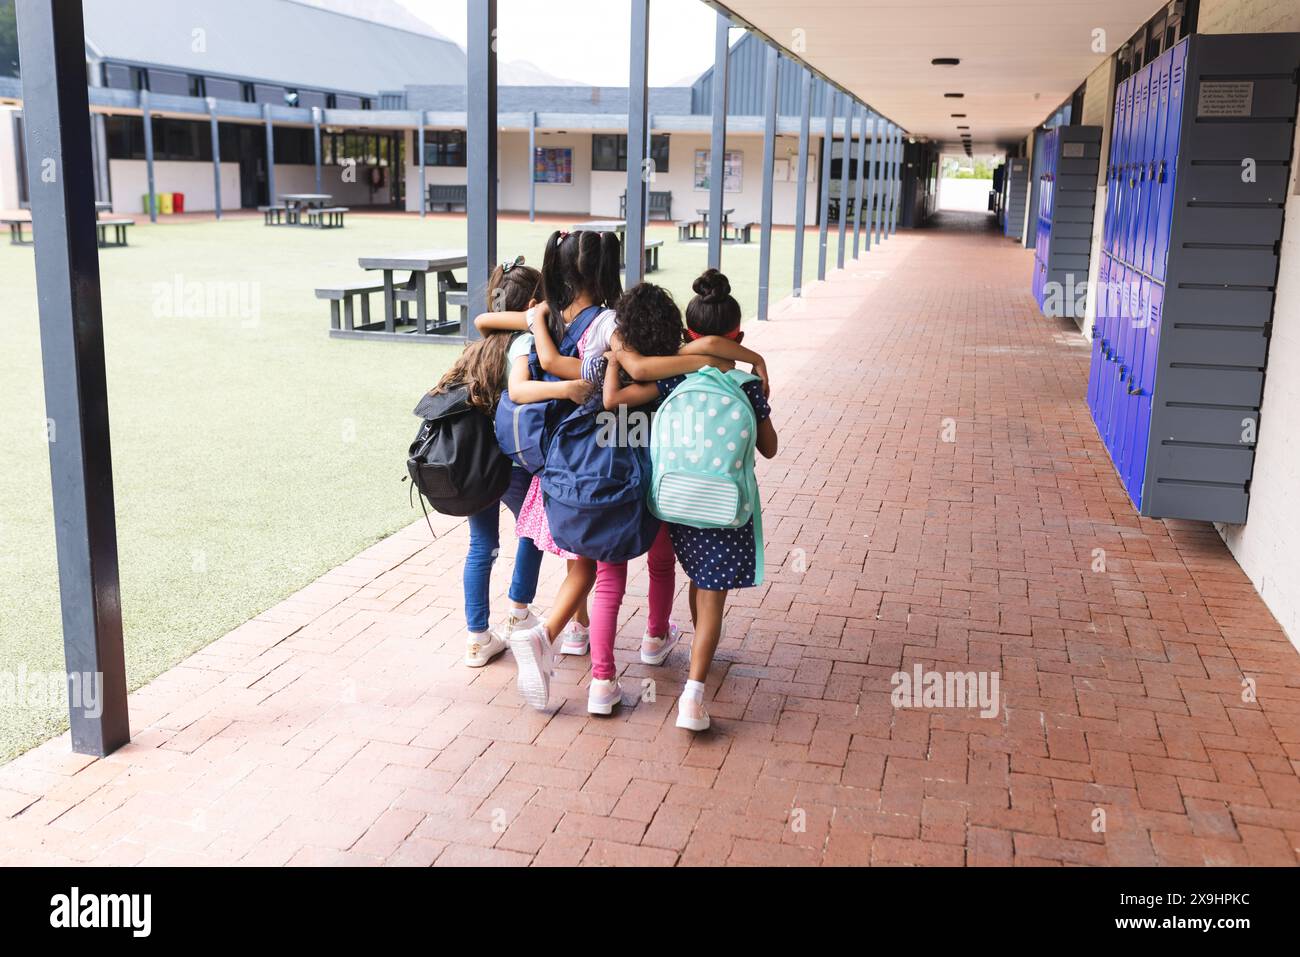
<point x="274" y="40"/>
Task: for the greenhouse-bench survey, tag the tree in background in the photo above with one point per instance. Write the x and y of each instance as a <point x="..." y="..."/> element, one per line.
<point x="8" y="39"/>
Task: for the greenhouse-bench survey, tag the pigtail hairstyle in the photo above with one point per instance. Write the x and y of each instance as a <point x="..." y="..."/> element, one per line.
<point x="579" y="263"/>
<point x="713" y="311"/>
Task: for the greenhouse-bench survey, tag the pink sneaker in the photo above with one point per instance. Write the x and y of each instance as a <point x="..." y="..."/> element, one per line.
<point x="603" y="695"/>
<point x="574" y="640"/>
<point x="656" y="649"/>
<point x="691" y="714"/>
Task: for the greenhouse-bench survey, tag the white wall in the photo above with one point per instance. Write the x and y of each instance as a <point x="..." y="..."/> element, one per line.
<point x="596" y="193"/>
<point x="8" y="161"/>
<point x="130" y="181"/>
<point x="608" y="187"/>
<point x="1268" y="545"/>
<point x="1098" y="99"/>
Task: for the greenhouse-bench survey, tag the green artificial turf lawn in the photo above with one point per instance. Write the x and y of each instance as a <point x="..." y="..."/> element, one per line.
<point x="250" y="455"/>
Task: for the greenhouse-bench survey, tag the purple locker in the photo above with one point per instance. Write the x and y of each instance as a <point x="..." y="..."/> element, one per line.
<point x="1150" y="153"/>
<point x="1137" y="165"/>
<point x="1134" y="457"/>
<point x="1098" y="331"/>
<point x="1168" y="160"/>
<point x="1146" y="390"/>
<point x="1119" y="142"/>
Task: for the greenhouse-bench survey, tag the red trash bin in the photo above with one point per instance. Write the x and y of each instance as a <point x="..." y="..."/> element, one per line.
<point x="178" y="202"/>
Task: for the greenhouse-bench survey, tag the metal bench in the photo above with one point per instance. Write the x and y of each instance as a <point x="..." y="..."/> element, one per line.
<point x="345" y="294"/>
<point x="446" y="195"/>
<point x="272" y="215"/>
<point x="743" y="233"/>
<point x="16" y="231"/>
<point x="326" y="217"/>
<point x="689" y="230"/>
<point x="661" y="205"/>
<point x="119" y="227"/>
<point x="652" y="248"/>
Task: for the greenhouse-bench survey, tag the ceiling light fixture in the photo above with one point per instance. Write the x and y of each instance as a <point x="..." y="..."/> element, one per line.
<point x="954" y="96"/>
<point x="945" y="61"/>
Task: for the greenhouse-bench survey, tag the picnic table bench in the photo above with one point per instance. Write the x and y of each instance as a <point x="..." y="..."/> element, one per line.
<point x="272" y="215"/>
<point x="652" y="248"/>
<point x="16" y="231"/>
<point x="119" y="228"/>
<point x="326" y="217"/>
<point x="446" y="195"/>
<point x="17" y="228"/>
<point x="345" y="294"/>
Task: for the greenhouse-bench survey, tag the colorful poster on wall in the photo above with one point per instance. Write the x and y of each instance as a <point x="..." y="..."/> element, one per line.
<point x="553" y="165"/>
<point x="733" y="164"/>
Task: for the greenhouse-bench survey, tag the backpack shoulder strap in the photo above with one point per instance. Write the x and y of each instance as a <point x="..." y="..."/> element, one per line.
<point x="578" y="328"/>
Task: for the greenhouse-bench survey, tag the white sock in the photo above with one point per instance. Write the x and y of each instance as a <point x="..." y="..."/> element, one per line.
<point x="693" y="689"/>
<point x="477" y="635"/>
<point x="520" y="612"/>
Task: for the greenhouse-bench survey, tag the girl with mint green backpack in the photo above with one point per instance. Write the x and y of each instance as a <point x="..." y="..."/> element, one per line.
<point x="702" y="443"/>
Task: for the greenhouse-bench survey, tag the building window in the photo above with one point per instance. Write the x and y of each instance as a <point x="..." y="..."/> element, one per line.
<point x="347" y="149"/>
<point x="444" y="147"/>
<point x="609" y="152"/>
<point x="294" y="146"/>
<point x="181" y="140"/>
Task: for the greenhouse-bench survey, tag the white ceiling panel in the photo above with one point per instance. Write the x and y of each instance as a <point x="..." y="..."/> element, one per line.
<point x="1020" y="59"/>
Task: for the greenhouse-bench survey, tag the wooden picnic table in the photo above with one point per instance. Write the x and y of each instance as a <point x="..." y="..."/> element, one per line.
<point x="295" y="203"/>
<point x="419" y="264"/>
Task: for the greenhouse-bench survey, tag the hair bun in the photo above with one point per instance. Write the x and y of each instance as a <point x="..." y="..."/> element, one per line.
<point x="712" y="286"/>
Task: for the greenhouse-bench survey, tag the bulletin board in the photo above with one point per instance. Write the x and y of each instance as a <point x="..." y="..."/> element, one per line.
<point x="553" y="165"/>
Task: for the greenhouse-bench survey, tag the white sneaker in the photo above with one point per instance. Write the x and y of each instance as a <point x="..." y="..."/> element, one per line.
<point x="482" y="648"/>
<point x="603" y="695"/>
<point x="691" y="714"/>
<point x="574" y="640"/>
<point x="535" y="659"/>
<point x="515" y="621"/>
<point x="655" y="650"/>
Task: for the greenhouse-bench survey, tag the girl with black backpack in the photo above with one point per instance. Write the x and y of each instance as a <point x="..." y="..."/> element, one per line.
<point x="483" y="369"/>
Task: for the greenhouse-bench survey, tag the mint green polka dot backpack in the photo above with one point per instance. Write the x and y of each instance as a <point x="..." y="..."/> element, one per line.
<point x="702" y="456"/>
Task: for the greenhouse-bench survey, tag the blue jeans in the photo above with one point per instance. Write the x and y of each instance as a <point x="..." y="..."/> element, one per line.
<point x="484" y="543"/>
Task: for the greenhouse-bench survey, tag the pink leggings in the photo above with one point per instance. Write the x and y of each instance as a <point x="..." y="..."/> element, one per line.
<point x="611" y="582"/>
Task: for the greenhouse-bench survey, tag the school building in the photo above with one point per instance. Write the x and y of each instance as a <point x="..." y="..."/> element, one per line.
<point x="230" y="77"/>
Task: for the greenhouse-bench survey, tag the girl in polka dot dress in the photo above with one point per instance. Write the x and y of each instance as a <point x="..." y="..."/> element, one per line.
<point x="716" y="560"/>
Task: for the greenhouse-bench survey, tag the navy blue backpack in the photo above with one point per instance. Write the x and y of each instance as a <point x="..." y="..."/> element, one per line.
<point x="523" y="430"/>
<point x="595" y="491"/>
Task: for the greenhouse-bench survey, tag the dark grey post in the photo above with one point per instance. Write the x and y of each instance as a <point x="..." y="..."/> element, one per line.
<point x="896" y="181"/>
<point x="532" y="167"/>
<point x="270" y="155"/>
<point x="846" y="157"/>
<point x="862" y="173"/>
<point x="315" y="135"/>
<point x="828" y="141"/>
<point x="770" y="68"/>
<point x="216" y="156"/>
<point x="801" y="190"/>
<point x="886" y="163"/>
<point x="637" y="138"/>
<point x="147" y="119"/>
<point x="419" y="148"/>
<point x="717" y="157"/>
<point x="873" y="217"/>
<point x="52" y="46"/>
<point x="482" y="150"/>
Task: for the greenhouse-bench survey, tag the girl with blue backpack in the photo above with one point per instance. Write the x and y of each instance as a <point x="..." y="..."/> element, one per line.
<point x="483" y="369"/>
<point x="702" y="485"/>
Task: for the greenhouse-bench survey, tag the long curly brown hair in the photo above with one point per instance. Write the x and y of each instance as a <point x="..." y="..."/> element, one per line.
<point x="481" y="367"/>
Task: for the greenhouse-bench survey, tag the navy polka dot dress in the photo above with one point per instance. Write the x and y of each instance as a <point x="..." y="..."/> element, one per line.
<point x="718" y="559"/>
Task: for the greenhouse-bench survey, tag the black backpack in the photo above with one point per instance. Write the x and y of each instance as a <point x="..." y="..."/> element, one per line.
<point x="455" y="461"/>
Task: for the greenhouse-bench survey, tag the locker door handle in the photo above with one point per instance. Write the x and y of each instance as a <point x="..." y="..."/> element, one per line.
<point x="1162" y="171"/>
<point x="1131" y="390"/>
<point x="1152" y="172"/>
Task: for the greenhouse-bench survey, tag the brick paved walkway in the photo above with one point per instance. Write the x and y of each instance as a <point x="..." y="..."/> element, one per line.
<point x="341" y="727"/>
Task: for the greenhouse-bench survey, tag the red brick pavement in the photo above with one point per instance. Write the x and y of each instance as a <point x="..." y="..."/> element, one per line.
<point x="341" y="727"/>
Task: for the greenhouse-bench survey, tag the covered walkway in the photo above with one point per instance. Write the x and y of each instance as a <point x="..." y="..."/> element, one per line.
<point x="941" y="500"/>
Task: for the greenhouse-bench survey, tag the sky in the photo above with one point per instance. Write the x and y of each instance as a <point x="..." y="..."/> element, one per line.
<point x="587" y="40"/>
